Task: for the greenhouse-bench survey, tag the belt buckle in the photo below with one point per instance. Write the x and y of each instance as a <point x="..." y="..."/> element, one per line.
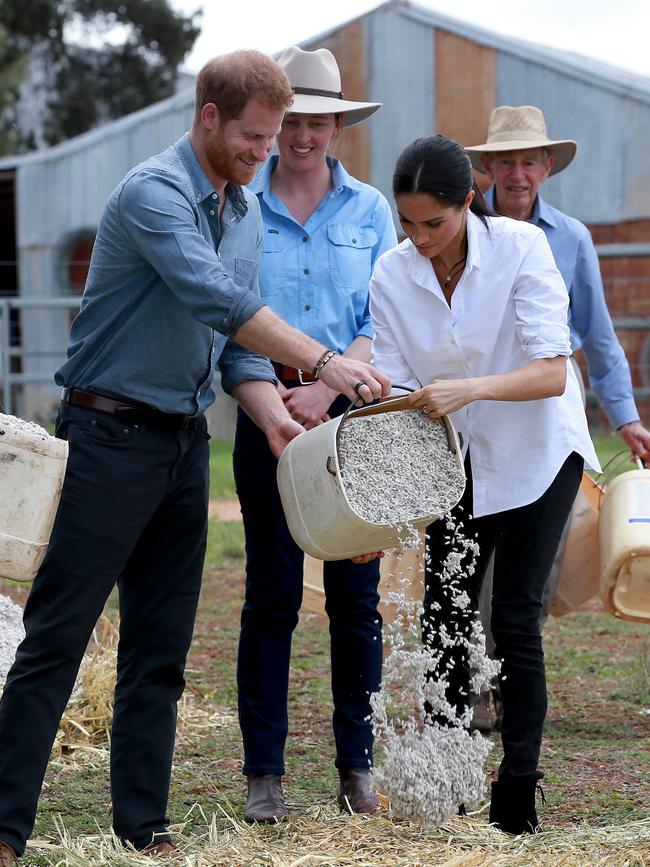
<point x="304" y="381"/>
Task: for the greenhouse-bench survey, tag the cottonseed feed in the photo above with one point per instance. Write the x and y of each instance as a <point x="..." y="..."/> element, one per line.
<point x="11" y="634"/>
<point x="397" y="467"/>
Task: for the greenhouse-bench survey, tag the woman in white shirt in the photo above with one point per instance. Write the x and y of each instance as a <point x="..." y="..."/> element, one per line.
<point x="471" y="311"/>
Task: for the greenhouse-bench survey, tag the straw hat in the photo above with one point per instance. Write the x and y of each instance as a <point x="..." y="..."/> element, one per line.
<point x="316" y="82"/>
<point x="519" y="128"/>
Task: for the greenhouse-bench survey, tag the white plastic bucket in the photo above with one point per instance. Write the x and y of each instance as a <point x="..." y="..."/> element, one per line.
<point x="318" y="512"/>
<point x="32" y="467"/>
<point x="624" y="530"/>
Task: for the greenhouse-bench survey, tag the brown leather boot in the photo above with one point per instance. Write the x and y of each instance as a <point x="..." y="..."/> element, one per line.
<point x="265" y="801"/>
<point x="162" y="848"/>
<point x="355" y="794"/>
<point x="8" y="857"/>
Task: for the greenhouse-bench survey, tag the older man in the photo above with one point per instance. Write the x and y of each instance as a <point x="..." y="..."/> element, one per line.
<point x="518" y="157"/>
<point x="172" y="289"/>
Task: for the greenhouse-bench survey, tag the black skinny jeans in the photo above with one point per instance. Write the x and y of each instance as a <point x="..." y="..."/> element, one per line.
<point x="274" y="578"/>
<point x="524" y="541"/>
<point x="133" y="511"/>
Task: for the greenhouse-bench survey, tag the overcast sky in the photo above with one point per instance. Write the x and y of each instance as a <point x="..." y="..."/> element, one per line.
<point x="614" y="32"/>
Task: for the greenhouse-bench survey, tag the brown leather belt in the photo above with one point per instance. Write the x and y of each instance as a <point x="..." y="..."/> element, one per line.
<point x="131" y="412"/>
<point x="292" y="374"/>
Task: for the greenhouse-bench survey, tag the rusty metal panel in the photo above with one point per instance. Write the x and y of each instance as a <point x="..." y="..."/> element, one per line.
<point x="401" y="74"/>
<point x="465" y="87"/>
<point x="607" y="182"/>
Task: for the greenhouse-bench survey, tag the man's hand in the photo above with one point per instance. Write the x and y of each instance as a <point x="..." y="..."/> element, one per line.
<point x="342" y="373"/>
<point x="308" y="404"/>
<point x="281" y="434"/>
<point x="637" y="439"/>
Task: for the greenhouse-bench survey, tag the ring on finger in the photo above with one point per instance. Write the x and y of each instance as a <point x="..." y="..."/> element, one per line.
<point x="425" y="409"/>
<point x="358" y="385"/>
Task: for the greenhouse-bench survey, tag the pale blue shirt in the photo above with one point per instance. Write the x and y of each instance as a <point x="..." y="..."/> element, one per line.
<point x="169" y="282"/>
<point x="589" y="319"/>
<point x="316" y="275"/>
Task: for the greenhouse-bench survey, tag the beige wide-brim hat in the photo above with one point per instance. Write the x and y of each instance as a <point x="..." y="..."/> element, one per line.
<point x="515" y="128"/>
<point x="316" y="83"/>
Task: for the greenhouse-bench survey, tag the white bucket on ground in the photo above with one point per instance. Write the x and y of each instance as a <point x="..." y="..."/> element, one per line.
<point x="316" y="506"/>
<point x="32" y="467"/>
<point x="624" y="530"/>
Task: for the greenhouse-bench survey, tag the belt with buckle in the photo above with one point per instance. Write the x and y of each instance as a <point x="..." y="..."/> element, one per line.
<point x="128" y="411"/>
<point x="293" y="374"/>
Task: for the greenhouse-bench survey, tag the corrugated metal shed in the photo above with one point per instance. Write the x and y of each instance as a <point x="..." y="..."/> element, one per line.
<point x="432" y="73"/>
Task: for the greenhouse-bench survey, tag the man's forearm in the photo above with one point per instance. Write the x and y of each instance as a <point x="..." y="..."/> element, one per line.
<point x="265" y="332"/>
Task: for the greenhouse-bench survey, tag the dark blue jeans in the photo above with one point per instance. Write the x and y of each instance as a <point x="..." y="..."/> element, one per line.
<point x="524" y="541"/>
<point x="133" y="511"/>
<point x="274" y="578"/>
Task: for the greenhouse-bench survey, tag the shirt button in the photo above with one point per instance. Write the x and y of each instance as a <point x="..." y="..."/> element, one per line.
<point x="305" y="271"/>
<point x="307" y="306"/>
<point x="354" y="240"/>
<point x="215" y="196"/>
<point x="304" y="239"/>
<point x="211" y="212"/>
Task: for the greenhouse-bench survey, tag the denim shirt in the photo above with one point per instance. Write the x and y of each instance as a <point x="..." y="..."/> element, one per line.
<point x="168" y="284"/>
<point x="316" y="275"/>
<point x="589" y="320"/>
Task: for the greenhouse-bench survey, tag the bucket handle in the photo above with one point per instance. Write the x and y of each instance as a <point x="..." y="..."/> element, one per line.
<point x="387" y="404"/>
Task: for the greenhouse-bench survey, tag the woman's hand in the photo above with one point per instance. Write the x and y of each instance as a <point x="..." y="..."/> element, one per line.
<point x="366" y="558"/>
<point x="443" y="396"/>
<point x="308" y="404"/>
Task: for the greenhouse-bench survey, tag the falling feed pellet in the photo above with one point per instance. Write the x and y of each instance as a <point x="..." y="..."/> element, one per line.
<point x="11" y="634"/>
<point x="397" y="467"/>
<point x="431" y="763"/>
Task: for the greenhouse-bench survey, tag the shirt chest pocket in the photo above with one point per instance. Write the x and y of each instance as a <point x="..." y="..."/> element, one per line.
<point x="244" y="271"/>
<point x="350" y="255"/>
<point x="274" y="264"/>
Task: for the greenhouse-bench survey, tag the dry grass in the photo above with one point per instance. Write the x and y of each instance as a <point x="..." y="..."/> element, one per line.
<point x="319" y="835"/>
<point x="326" y="837"/>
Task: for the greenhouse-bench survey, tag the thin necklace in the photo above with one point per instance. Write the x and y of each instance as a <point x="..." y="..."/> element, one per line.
<point x="454" y="270"/>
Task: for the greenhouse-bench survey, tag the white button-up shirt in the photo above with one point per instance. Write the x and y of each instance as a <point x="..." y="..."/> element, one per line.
<point x="509" y="308"/>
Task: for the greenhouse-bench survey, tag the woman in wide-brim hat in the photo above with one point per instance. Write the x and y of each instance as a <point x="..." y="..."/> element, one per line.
<point x="323" y="231"/>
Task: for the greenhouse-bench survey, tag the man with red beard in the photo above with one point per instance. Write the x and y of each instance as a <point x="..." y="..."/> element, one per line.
<point x="172" y="290"/>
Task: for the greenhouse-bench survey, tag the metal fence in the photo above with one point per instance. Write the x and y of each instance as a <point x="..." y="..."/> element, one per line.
<point x="23" y="365"/>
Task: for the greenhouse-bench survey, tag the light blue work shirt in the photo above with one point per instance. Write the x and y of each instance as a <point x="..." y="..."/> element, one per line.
<point x="589" y="320"/>
<point x="168" y="283"/>
<point x="316" y="275"/>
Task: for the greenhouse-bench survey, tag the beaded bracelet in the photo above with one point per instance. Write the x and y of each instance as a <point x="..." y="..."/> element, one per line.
<point x="322" y="361"/>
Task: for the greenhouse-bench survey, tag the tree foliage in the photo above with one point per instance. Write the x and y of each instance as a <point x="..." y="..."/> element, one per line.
<point x="68" y="65"/>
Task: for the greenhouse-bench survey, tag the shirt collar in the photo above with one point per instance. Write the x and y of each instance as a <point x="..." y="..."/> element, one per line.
<point x="200" y="182"/>
<point x="541" y="211"/>
<point x="261" y="184"/>
<point x="420" y="269"/>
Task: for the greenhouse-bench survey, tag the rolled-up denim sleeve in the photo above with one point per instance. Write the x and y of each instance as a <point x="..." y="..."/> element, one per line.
<point x="159" y="220"/>
<point x="541" y="303"/>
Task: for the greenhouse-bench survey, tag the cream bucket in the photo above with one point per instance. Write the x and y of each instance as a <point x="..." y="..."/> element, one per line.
<point x="32" y="467"/>
<point x="624" y="530"/>
<point x="318" y="512"/>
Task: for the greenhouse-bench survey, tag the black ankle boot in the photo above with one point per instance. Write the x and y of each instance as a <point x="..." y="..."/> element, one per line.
<point x="512" y="805"/>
